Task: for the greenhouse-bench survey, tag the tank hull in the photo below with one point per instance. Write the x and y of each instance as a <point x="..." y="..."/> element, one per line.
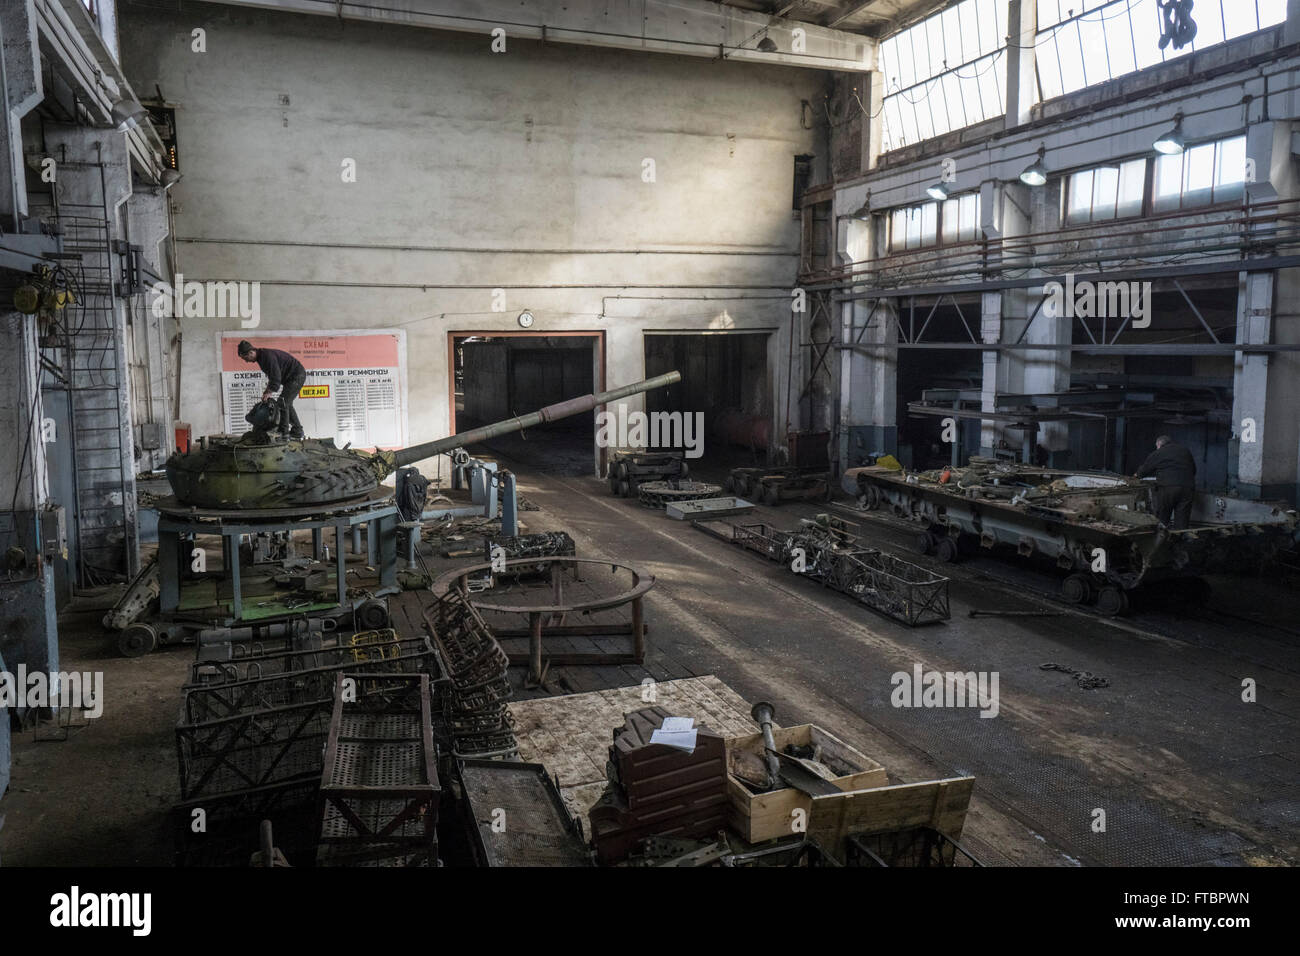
<point x="1069" y="517"/>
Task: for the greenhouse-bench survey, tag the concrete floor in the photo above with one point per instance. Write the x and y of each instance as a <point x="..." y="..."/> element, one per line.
<point x="1186" y="773"/>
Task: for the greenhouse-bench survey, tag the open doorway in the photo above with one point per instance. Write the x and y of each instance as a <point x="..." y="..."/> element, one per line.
<point x="496" y="376"/>
<point x="727" y="377"/>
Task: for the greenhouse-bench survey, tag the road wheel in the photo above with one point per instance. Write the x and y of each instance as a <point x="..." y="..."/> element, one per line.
<point x="624" y="488"/>
<point x="869" y="499"/>
<point x="924" y="543"/>
<point x="730" y="485"/>
<point x="1077" y="589"/>
<point x="1112" y="601"/>
<point x="742" y="486"/>
<point x="613" y="483"/>
<point x="371" y="615"/>
<point x="137" y="640"/>
<point x="946" y="550"/>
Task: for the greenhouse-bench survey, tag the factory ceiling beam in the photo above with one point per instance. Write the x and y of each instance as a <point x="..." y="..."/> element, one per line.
<point x="682" y="27"/>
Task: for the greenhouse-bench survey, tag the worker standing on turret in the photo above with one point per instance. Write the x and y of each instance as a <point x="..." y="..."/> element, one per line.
<point x="283" y="372"/>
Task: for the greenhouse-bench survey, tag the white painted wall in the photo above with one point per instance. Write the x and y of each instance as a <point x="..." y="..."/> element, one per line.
<point x="474" y="170"/>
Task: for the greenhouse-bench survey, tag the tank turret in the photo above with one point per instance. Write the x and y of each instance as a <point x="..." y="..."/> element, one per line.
<point x="260" y="473"/>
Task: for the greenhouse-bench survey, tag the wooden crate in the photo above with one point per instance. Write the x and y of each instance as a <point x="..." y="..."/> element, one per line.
<point x="868" y="804"/>
<point x="765" y="816"/>
<point x="938" y="804"/>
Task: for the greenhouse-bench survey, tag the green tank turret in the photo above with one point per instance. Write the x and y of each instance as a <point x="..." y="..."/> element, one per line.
<point x="257" y="472"/>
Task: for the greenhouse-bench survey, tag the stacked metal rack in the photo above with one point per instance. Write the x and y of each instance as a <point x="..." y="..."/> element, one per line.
<point x="826" y="552"/>
<point x="379" y="788"/>
<point x="252" y="732"/>
<point x="478" y="688"/>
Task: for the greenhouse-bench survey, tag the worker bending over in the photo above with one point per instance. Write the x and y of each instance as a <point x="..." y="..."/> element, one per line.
<point x="283" y="372"/>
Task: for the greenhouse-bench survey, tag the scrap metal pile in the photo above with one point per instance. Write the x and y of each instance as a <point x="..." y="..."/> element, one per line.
<point x="660" y="494"/>
<point x="542" y="544"/>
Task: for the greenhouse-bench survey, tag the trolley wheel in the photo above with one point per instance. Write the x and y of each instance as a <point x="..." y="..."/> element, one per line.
<point x="946" y="550"/>
<point x="624" y="488"/>
<point x="1112" y="601"/>
<point x="686" y="470"/>
<point x="742" y="486"/>
<point x="829" y="494"/>
<point x="730" y="484"/>
<point x="771" y="495"/>
<point x="137" y="640"/>
<point x="613" y="483"/>
<point x="1077" y="589"/>
<point x="924" y="543"/>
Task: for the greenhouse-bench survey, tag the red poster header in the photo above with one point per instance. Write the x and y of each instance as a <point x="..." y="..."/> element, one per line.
<point x="378" y="350"/>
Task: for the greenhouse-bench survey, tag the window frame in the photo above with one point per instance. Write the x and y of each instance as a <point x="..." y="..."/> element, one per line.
<point x="1149" y="205"/>
<point x="888" y="217"/>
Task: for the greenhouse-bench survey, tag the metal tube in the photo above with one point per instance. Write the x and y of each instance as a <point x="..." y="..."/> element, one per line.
<point x="550" y="413"/>
<point x="763" y="712"/>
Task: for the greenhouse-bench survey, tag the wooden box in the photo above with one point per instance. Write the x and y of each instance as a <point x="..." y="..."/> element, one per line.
<point x="867" y="803"/>
<point x="765" y="816"/>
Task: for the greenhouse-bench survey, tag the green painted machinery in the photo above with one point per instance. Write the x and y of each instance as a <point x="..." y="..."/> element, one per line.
<point x="256" y="472"/>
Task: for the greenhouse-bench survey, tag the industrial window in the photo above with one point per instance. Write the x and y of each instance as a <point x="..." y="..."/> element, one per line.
<point x="956" y="219"/>
<point x="1209" y="173"/>
<point x="944" y="73"/>
<point x="1106" y="192"/>
<point x="1084" y="42"/>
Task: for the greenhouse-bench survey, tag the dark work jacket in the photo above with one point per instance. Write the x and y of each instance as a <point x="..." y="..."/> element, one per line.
<point x="279" y="367"/>
<point x="1172" y="464"/>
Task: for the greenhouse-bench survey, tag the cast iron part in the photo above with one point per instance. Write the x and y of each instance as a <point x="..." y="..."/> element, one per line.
<point x="258" y="472"/>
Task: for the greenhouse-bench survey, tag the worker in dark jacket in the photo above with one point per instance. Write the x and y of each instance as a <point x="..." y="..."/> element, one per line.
<point x="1175" y="473"/>
<point x="283" y="372"/>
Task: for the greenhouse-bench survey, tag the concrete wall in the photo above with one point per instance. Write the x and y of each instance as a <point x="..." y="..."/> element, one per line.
<point x="475" y="171"/>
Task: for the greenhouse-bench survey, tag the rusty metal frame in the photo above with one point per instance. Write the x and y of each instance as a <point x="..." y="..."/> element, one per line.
<point x="549" y="620"/>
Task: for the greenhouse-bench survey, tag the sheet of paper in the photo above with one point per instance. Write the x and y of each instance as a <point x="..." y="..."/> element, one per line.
<point x="676" y="725"/>
<point x="681" y="740"/>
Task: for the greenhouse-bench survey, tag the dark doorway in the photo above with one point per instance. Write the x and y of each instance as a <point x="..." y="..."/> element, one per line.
<point x="497" y="377"/>
<point x="725" y="376"/>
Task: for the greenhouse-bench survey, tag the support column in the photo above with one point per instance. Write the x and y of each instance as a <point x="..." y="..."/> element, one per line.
<point x="1022" y="25"/>
<point x="990" y="334"/>
<point x="1265" y="392"/>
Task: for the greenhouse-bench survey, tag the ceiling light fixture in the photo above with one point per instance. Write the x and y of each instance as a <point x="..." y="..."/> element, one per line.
<point x="1171" y="143"/>
<point x="1035" y="173"/>
<point x="767" y="44"/>
<point x="127" y="114"/>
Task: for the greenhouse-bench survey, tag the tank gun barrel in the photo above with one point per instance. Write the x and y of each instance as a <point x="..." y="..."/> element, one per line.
<point x="551" y="413"/>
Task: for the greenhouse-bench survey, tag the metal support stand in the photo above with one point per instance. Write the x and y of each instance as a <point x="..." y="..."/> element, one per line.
<point x="509" y="507"/>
